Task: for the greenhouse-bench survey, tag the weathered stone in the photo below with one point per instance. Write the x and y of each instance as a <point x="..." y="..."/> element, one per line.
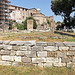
<point x="60" y="54"/>
<point x="30" y="53"/>
<point x="8" y="58"/>
<point x="6" y="42"/>
<point x="72" y="48"/>
<point x="1" y="41"/>
<point x="42" y="53"/>
<point x="59" y="64"/>
<point x="71" y="53"/>
<point x="51" y="60"/>
<point x="51" y="54"/>
<point x="73" y="60"/>
<point x="40" y="64"/>
<point x="63" y="48"/>
<point x="51" y="48"/>
<point x="26" y="60"/>
<point x="7" y="47"/>
<point x="15" y="64"/>
<point x="30" y="43"/>
<point x="15" y="48"/>
<point x="70" y="64"/>
<point x="20" y="53"/>
<point x="59" y="44"/>
<point x="1" y="46"/>
<point x="13" y="53"/>
<point x="69" y="44"/>
<point x="48" y="64"/>
<point x="38" y="60"/>
<point x="5" y="63"/>
<point x="66" y="60"/>
<point x="4" y="52"/>
<point x="37" y="48"/>
<point x="22" y="48"/>
<point x="17" y="58"/>
<point x="41" y="44"/>
<point x="51" y="44"/>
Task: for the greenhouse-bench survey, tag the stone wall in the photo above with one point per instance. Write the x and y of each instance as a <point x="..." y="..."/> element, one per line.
<point x="41" y="54"/>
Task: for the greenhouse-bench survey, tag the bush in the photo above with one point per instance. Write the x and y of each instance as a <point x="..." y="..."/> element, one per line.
<point x="29" y="18"/>
<point x="20" y="27"/>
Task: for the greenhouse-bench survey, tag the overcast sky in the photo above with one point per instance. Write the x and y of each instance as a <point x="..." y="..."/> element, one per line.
<point x="44" y="5"/>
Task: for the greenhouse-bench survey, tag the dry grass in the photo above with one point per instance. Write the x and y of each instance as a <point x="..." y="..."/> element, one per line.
<point x="21" y="36"/>
<point x="8" y="70"/>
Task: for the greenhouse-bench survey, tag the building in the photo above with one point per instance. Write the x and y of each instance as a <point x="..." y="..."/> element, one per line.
<point x="4" y="12"/>
<point x="19" y="14"/>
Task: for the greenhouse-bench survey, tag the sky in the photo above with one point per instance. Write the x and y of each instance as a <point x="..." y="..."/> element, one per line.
<point x="44" y="5"/>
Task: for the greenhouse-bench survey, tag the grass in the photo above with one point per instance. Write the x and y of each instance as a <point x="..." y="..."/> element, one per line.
<point x="21" y="36"/>
<point x="9" y="70"/>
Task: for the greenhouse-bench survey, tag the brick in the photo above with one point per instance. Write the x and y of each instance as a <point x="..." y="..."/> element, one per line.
<point x="20" y="53"/>
<point x="51" y="48"/>
<point x="63" y="48"/>
<point x="41" y="44"/>
<point x="38" y="60"/>
<point x="7" y="58"/>
<point x="26" y="60"/>
<point x="42" y="53"/>
<point x="71" y="53"/>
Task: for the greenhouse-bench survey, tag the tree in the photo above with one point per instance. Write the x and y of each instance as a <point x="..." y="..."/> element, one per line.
<point x="30" y="18"/>
<point x="63" y="8"/>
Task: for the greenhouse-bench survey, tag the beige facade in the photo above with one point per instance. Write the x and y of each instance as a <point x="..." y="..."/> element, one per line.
<point x="19" y="14"/>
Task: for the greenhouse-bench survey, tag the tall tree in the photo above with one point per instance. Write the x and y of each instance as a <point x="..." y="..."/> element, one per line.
<point x="63" y="8"/>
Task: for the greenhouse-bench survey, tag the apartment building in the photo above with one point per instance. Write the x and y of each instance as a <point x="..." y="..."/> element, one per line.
<point x="4" y="12"/>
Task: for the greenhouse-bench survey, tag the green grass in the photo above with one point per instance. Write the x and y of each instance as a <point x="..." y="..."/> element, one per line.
<point x="9" y="70"/>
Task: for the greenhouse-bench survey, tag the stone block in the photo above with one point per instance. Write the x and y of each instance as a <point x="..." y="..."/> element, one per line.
<point x="20" y="53"/>
<point x="40" y="64"/>
<point x="61" y="55"/>
<point x="7" y="58"/>
<point x="51" y="44"/>
<point x="4" y="52"/>
<point x="7" y="47"/>
<point x="23" y="48"/>
<point x="18" y="43"/>
<point x="71" y="53"/>
<point x="6" y="42"/>
<point x="1" y="46"/>
<point x="30" y="53"/>
<point x="17" y="58"/>
<point x="70" y="64"/>
<point x="4" y="63"/>
<point x="42" y="53"/>
<point x="63" y="48"/>
<point x="26" y="60"/>
<point x="59" y="64"/>
<point x="73" y="60"/>
<point x="13" y="53"/>
<point x="59" y="44"/>
<point x="48" y="64"/>
<point x="70" y="44"/>
<point x="51" y="48"/>
<point x="15" y="48"/>
<point x="72" y="48"/>
<point x="15" y="64"/>
<point x="37" y="48"/>
<point x="51" y="59"/>
<point x="30" y="43"/>
<point x="1" y="41"/>
<point x="51" y="54"/>
<point x="41" y="44"/>
<point x="38" y="60"/>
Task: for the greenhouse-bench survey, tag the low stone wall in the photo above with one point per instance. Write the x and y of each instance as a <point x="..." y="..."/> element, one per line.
<point x="41" y="54"/>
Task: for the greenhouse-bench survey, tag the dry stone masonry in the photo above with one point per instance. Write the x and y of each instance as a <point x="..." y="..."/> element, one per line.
<point x="42" y="54"/>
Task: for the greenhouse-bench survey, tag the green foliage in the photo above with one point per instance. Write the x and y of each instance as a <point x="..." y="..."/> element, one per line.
<point x="58" y="22"/>
<point x="29" y="18"/>
<point x="48" y="22"/>
<point x="20" y="27"/>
